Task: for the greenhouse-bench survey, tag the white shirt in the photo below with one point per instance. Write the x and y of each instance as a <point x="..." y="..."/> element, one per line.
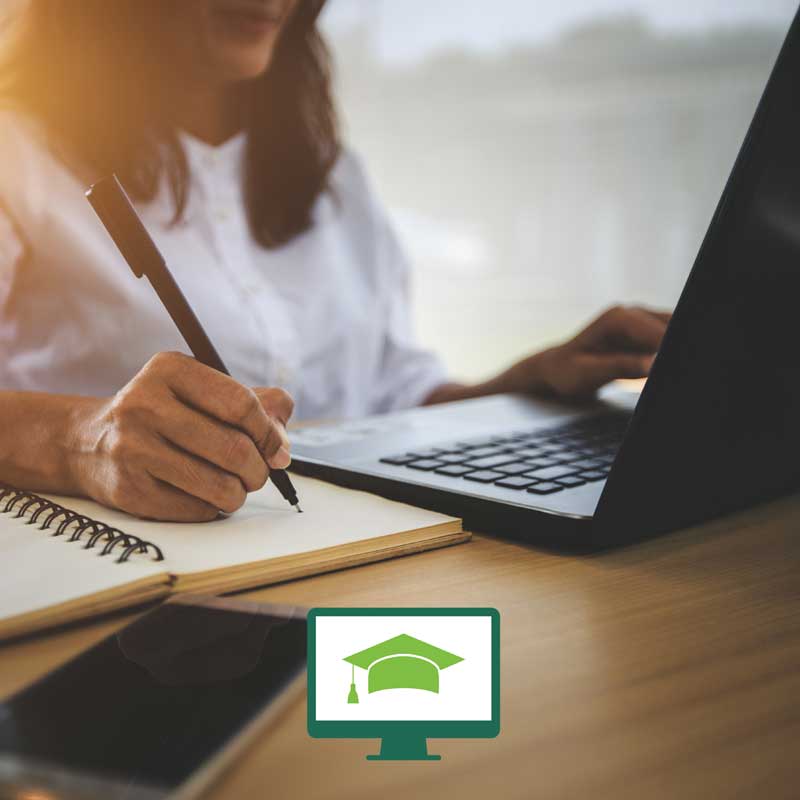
<point x="325" y="316"/>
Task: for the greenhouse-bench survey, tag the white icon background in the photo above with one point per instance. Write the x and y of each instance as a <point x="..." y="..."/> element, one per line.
<point x="465" y="688"/>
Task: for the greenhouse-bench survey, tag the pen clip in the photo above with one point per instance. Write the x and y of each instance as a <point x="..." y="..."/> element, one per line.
<point x="115" y="210"/>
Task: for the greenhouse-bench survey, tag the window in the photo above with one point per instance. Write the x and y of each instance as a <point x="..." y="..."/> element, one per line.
<point x="543" y="160"/>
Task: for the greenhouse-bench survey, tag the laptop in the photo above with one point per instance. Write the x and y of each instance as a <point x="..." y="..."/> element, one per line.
<point x="716" y="427"/>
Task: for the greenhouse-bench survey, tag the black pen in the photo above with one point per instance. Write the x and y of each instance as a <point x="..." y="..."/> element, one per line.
<point x="120" y="219"/>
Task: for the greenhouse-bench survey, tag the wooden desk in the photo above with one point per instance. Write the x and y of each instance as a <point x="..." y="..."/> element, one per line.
<point x="669" y="669"/>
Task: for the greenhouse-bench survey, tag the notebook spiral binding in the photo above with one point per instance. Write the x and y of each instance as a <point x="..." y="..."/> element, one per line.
<point x="63" y="521"/>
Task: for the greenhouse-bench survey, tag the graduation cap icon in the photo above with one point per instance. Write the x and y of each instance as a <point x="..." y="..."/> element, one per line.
<point x="400" y="663"/>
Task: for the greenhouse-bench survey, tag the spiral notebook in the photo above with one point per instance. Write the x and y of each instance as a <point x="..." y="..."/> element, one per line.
<point x="65" y="559"/>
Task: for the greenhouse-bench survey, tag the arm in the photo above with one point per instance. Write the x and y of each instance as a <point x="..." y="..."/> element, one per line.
<point x="180" y="442"/>
<point x="38" y="436"/>
<point x="620" y="343"/>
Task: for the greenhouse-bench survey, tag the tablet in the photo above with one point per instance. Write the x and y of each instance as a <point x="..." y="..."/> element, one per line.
<point x="158" y="709"/>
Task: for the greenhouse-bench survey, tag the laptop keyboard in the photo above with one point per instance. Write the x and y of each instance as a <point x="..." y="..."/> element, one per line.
<point x="542" y="461"/>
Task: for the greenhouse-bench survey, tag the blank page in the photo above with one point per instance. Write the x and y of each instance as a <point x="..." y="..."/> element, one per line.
<point x="267" y="527"/>
<point x="41" y="572"/>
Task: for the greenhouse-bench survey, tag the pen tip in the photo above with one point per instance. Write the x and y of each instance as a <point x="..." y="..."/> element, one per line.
<point x="299" y="510"/>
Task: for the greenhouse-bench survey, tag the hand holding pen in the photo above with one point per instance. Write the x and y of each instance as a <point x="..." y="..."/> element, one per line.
<point x="181" y="441"/>
<point x="211" y="395"/>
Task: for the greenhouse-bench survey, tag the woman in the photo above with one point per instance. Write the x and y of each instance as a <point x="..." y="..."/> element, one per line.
<point x="217" y="115"/>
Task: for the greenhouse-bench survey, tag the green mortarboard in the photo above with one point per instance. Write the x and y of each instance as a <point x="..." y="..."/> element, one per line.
<point x="401" y="663"/>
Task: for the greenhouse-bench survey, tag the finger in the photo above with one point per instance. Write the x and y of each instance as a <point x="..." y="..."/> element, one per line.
<point x="197" y="478"/>
<point x="223" y="398"/>
<point x="646" y="330"/>
<point x="664" y="316"/>
<point x="276" y="402"/>
<point x="279" y="406"/>
<point x="597" y="370"/>
<point x="165" y="502"/>
<point x="629" y="328"/>
<point x="222" y="445"/>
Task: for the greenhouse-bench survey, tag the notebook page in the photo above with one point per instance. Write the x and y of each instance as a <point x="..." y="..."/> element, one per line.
<point x="41" y="571"/>
<point x="268" y="527"/>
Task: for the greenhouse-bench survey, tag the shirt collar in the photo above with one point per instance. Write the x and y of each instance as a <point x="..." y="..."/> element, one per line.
<point x="224" y="157"/>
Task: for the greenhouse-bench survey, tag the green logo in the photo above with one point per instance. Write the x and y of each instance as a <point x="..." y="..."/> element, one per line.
<point x="402" y="662"/>
<point x="442" y="682"/>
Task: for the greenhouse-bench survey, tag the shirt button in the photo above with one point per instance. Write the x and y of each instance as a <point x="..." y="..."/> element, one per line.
<point x="223" y="215"/>
<point x="283" y="374"/>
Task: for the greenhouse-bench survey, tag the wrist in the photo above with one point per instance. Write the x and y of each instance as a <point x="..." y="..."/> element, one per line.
<point x="544" y="372"/>
<point x="38" y="440"/>
<point x="529" y="376"/>
<point x="532" y="375"/>
<point x="78" y="444"/>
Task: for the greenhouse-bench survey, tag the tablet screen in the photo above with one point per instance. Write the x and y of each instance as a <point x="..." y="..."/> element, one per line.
<point x="151" y="704"/>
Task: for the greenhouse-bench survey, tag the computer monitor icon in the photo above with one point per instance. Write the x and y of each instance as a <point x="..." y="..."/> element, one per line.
<point x="403" y="675"/>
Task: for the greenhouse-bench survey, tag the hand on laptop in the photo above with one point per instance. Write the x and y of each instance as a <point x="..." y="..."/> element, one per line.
<point x="180" y="442"/>
<point x="620" y="343"/>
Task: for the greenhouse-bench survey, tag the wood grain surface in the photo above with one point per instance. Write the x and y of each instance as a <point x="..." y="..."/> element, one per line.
<point x="666" y="669"/>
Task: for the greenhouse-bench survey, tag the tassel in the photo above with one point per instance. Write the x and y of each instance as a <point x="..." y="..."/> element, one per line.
<point x="353" y="696"/>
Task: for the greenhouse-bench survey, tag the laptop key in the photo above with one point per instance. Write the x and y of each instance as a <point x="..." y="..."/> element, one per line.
<point x="576" y="454"/>
<point x="545" y="488"/>
<point x="425" y="464"/>
<point x="399" y="460"/>
<point x="570" y="480"/>
<point x="593" y="475"/>
<point x="588" y="463"/>
<point x="515" y="468"/>
<point x="484" y="476"/>
<point x="550" y="473"/>
<point x="484" y="441"/>
<point x="559" y="458"/>
<point x="483" y="452"/>
<point x="535" y="439"/>
<point x="491" y="461"/>
<point x="580" y="454"/>
<point x="515" y="482"/>
<point x="552" y="447"/>
<point x="427" y="452"/>
<point x="453" y="458"/>
<point x="529" y="452"/>
<point x="541" y="463"/>
<point x="456" y="470"/>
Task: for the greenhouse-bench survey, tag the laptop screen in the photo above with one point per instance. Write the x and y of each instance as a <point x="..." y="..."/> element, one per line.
<point x="718" y="424"/>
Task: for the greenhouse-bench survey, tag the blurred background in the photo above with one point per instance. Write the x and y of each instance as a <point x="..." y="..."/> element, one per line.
<point x="543" y="160"/>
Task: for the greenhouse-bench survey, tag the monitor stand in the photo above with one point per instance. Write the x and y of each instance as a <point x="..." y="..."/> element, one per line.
<point x="404" y="747"/>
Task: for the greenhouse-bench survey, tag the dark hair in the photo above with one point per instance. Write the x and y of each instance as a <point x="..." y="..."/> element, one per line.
<point x="91" y="71"/>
